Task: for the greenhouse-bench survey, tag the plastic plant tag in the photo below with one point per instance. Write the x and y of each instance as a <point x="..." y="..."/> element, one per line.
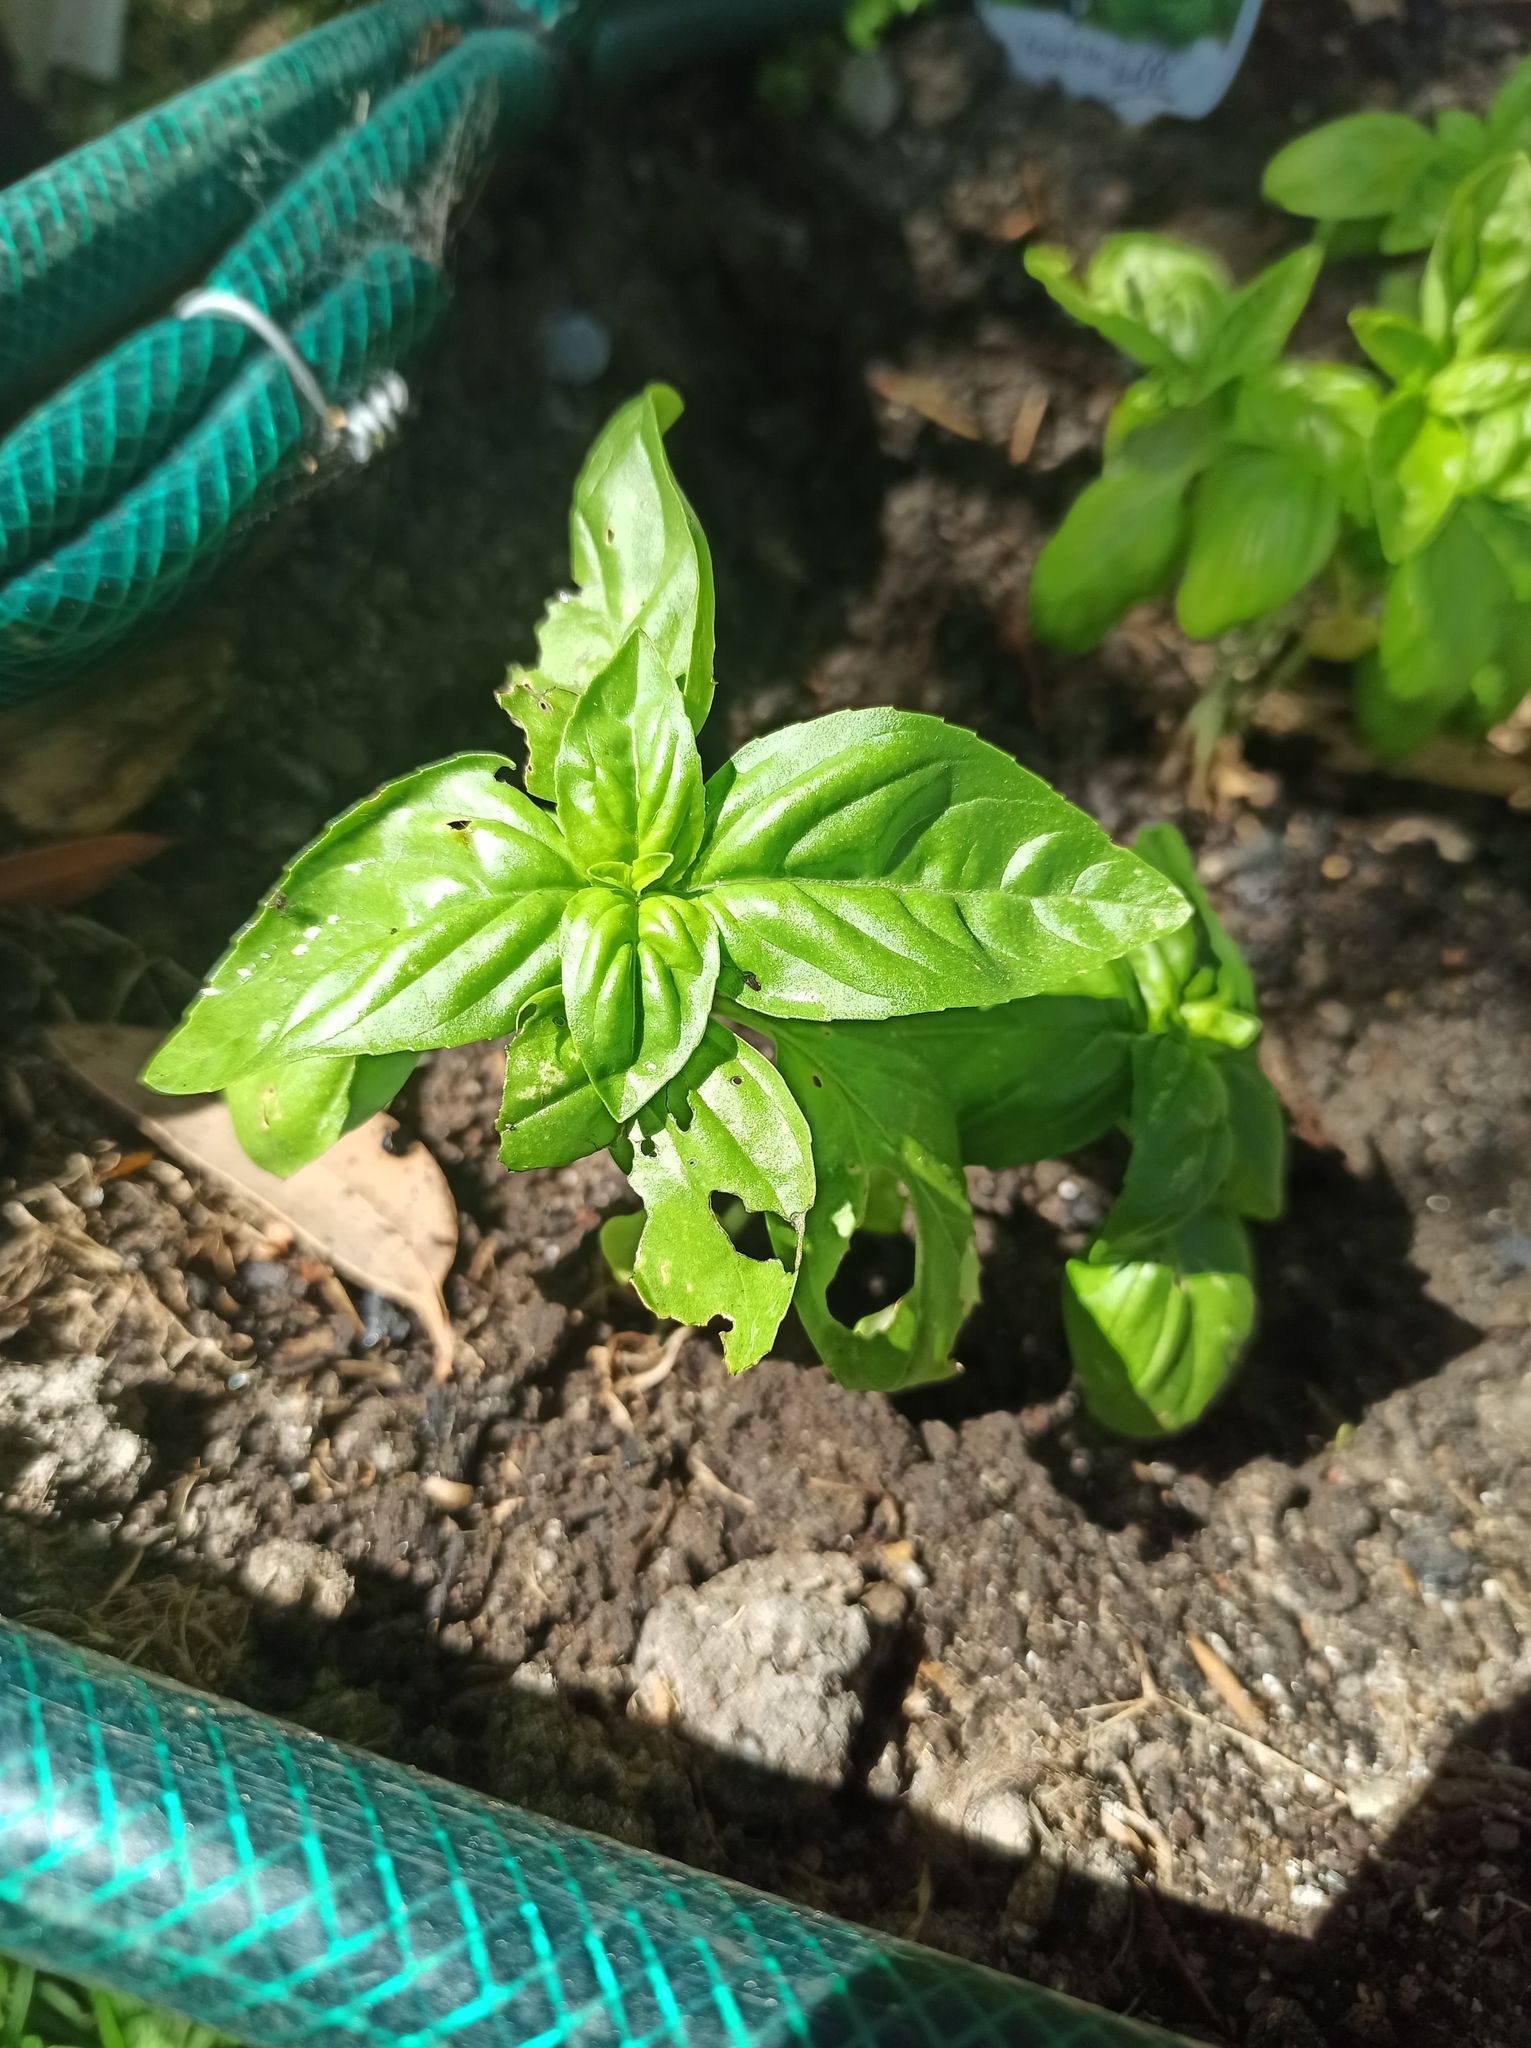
<point x="1142" y="57"/>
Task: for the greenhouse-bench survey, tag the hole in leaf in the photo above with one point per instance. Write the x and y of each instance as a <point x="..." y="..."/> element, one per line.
<point x="749" y="1229"/>
<point x="457" y="824"/>
<point x="505" y="774"/>
<point x="877" y="1269"/>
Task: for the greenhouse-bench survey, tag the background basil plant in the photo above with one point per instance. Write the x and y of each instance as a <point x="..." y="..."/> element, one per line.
<point x="868" y="950"/>
<point x="1378" y="515"/>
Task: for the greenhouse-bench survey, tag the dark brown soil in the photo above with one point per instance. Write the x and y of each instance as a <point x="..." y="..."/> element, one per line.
<point x="1229" y="1732"/>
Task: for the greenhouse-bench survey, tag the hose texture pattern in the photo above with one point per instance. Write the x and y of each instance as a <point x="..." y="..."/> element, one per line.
<point x="301" y="1895"/>
<point x="106" y="431"/>
<point x="89" y="239"/>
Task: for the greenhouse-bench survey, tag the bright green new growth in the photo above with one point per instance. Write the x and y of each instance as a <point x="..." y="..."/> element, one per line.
<point x="869" y="950"/>
<point x="1388" y="523"/>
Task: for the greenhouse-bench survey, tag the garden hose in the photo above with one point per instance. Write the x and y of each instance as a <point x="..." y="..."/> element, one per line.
<point x="252" y="447"/>
<point x="91" y="238"/>
<point x="296" y="1894"/>
<point x="107" y="427"/>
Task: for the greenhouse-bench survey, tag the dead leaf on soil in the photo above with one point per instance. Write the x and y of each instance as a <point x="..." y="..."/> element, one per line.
<point x="927" y="396"/>
<point x="385" y="1220"/>
<point x="87" y="761"/>
<point x="53" y="877"/>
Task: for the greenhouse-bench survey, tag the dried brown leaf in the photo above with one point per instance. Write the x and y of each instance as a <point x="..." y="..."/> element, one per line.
<point x="51" y="877"/>
<point x="386" y="1220"/>
<point x="928" y="397"/>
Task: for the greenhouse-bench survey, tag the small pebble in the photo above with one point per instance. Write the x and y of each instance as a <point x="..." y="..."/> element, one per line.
<point x="265" y="1276"/>
<point x="381" y="1321"/>
<point x="576" y="347"/>
<point x="867" y="95"/>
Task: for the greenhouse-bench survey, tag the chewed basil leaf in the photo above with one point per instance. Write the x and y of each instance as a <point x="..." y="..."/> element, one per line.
<point x="883" y="1136"/>
<point x="726" y="1125"/>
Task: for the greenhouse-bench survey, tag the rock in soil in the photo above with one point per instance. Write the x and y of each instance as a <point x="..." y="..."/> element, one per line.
<point x="766" y="1663"/>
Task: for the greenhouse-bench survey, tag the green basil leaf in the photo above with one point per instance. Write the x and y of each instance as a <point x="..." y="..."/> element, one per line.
<point x="1151" y="297"/>
<point x="1318" y="414"/>
<point x="1255" y="1184"/>
<point x="1417" y="464"/>
<point x="1357" y="168"/>
<point x="1175" y="289"/>
<point x="1399" y="346"/>
<point x="1144" y="403"/>
<point x="286" y="1116"/>
<point x="726" y="1125"/>
<point x="1028" y="1080"/>
<point x="629" y="778"/>
<point x="1154" y="1338"/>
<point x="1494" y="448"/>
<point x="1507" y="535"/>
<point x="551" y="1114"/>
<point x="638" y="978"/>
<point x="1262" y="527"/>
<point x="1119" y="545"/>
<point x="880" y="1126"/>
<point x="619" y="1238"/>
<point x="641" y="564"/>
<point x="1474" y="384"/>
<point x="881" y="863"/>
<point x="1416" y="220"/>
<point x="1163" y="848"/>
<point x="1441" y="621"/>
<point x="1182" y="1146"/>
<point x="1509" y="120"/>
<point x="424" y="916"/>
<point x="1478" y="278"/>
<point x="1260" y="316"/>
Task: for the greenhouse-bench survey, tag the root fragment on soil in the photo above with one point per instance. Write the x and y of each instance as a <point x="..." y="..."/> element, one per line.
<point x="1152" y="1696"/>
<point x="652" y="1376"/>
<point x="1216" y="1672"/>
<point x="709" y="1481"/>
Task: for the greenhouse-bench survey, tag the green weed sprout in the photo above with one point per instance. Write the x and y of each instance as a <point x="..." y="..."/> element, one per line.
<point x="867" y="951"/>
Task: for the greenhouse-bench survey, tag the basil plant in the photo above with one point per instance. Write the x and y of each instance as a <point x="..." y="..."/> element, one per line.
<point x="1379" y="515"/>
<point x="808" y="988"/>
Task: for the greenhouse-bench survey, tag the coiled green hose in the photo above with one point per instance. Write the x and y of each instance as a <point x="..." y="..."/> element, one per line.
<point x="105" y="429"/>
<point x="173" y="530"/>
<point x="92" y="237"/>
<point x="296" y="1894"/>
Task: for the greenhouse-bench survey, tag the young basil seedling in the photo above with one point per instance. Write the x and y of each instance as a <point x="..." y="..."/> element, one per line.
<point x="869" y="949"/>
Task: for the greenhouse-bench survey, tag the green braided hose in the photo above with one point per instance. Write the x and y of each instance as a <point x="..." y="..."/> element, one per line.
<point x="174" y="529"/>
<point x="296" y="1894"/>
<point x="104" y="430"/>
<point x="91" y="238"/>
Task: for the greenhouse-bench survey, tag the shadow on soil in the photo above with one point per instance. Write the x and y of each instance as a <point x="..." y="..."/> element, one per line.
<point x="1394" y="1934"/>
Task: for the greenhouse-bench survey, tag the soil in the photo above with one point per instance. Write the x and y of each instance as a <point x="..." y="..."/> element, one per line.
<point x="1230" y="1732"/>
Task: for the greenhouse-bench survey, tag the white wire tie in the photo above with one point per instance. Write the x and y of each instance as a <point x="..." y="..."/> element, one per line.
<point x="365" y="425"/>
